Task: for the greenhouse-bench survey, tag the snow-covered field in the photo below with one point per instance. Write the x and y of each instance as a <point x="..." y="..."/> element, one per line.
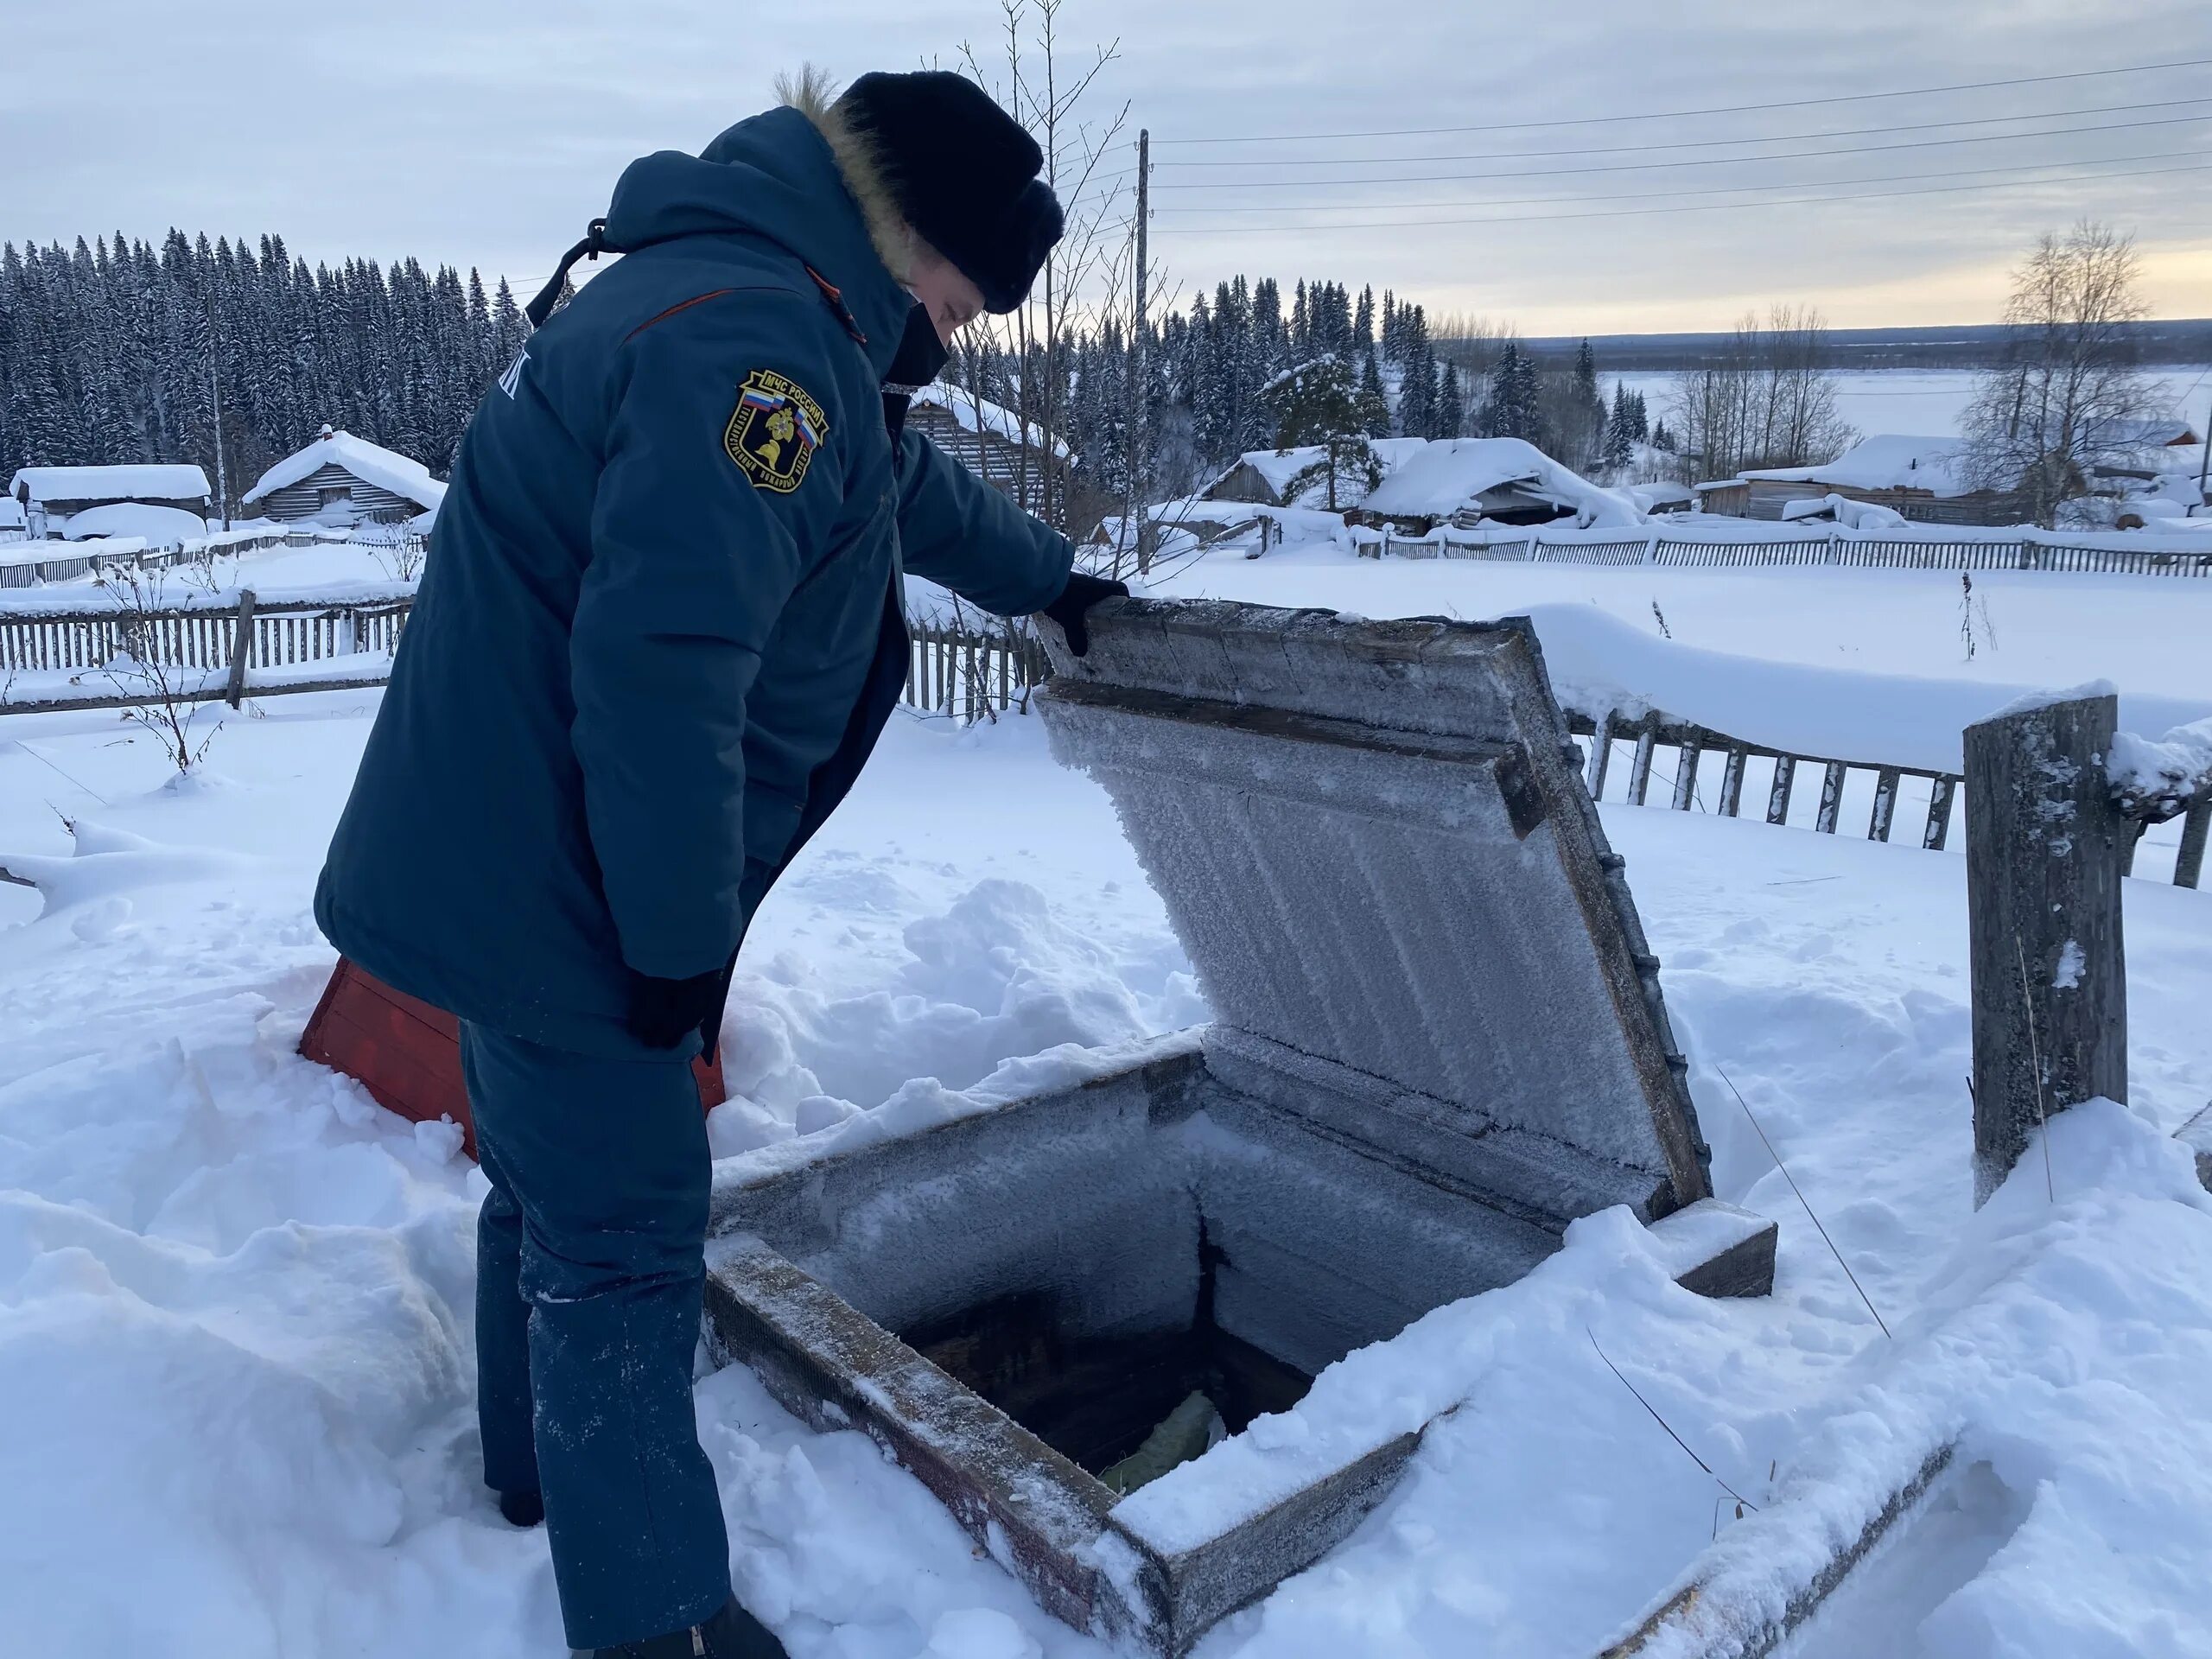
<point x="235" y="1346"/>
<point x="1928" y="401"/>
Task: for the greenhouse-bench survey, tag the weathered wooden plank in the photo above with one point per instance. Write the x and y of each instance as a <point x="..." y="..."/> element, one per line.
<point x="1938" y="830"/>
<point x="1778" y="795"/>
<point x="1686" y="772"/>
<point x="1885" y="805"/>
<point x="1832" y="779"/>
<point x="240" y="650"/>
<point x="2188" y="863"/>
<point x="1732" y="780"/>
<point x="1639" y="775"/>
<point x="1601" y="756"/>
<point x="2044" y="853"/>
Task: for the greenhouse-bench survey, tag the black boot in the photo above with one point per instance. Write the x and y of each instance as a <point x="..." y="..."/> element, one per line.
<point x="731" y="1634"/>
<point x="521" y="1509"/>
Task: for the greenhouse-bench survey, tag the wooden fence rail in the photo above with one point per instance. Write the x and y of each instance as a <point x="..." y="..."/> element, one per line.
<point x="957" y="673"/>
<point x="1685" y="755"/>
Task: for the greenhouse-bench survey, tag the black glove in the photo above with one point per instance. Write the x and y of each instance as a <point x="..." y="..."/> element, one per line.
<point x="663" y="1010"/>
<point x="1078" y="596"/>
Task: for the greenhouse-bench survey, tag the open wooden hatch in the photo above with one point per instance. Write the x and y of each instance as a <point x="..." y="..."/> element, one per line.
<point x="1438" y="1040"/>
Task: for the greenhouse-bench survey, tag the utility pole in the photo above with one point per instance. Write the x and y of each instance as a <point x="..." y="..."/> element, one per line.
<point x="2204" y="465"/>
<point x="1139" y="452"/>
<point x="215" y="397"/>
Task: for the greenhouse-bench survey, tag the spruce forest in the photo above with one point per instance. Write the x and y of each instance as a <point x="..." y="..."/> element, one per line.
<point x="121" y="351"/>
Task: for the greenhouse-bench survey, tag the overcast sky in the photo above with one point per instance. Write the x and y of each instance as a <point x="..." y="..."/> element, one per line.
<point x="485" y="132"/>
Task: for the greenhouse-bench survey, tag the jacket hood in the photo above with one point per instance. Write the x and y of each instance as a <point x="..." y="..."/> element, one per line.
<point x="773" y="175"/>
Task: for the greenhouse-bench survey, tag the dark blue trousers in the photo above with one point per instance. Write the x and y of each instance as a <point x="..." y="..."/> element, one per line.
<point x="589" y="1274"/>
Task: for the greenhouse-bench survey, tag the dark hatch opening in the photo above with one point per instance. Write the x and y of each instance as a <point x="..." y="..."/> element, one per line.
<point x="1095" y="1399"/>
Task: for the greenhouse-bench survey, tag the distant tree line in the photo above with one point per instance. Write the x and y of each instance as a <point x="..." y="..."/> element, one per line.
<point x="121" y="351"/>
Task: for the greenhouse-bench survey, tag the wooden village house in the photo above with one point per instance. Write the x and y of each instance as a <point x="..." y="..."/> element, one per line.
<point x="990" y="442"/>
<point x="1922" y="479"/>
<point x="50" y="497"/>
<point x="341" y="481"/>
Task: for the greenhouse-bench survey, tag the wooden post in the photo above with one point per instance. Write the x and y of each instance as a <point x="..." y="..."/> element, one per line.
<point x="2044" y="850"/>
<point x="1686" y="770"/>
<point x="1885" y="805"/>
<point x="1777" y="796"/>
<point x="241" y="648"/>
<point x="1732" y="781"/>
<point x="1832" y="781"/>
<point x="1601" y="755"/>
<point x="2188" y="863"/>
<point x="1939" y="815"/>
<point x="1639" y="773"/>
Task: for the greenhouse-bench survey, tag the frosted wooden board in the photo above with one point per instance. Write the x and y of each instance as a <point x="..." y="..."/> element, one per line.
<point x="1374" y="841"/>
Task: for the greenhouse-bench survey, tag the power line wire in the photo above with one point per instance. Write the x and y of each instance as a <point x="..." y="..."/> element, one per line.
<point x="1725" y="109"/>
<point x="1716" y="190"/>
<point x="1697" y="161"/>
<point x="1693" y="207"/>
<point x="1708" y="143"/>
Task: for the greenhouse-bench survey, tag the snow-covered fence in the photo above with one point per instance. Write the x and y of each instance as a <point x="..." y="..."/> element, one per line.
<point x="82" y="650"/>
<point x="1625" y="753"/>
<point x="967" y="674"/>
<point x="2117" y="553"/>
<point x="32" y="564"/>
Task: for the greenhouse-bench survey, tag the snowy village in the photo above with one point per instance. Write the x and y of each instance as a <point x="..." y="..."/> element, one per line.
<point x="1272" y="859"/>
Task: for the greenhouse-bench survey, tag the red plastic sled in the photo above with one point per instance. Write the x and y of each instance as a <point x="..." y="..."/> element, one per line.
<point x="408" y="1054"/>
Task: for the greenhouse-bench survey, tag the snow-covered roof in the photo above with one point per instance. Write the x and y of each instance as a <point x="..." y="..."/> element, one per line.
<point x="371" y="463"/>
<point x="157" y="525"/>
<point x="1450" y="474"/>
<point x="1888" y="461"/>
<point x="1654" y="495"/>
<point x="2145" y="434"/>
<point x="1852" y="515"/>
<point x="1278" y="467"/>
<point x="980" y="414"/>
<point x="145" y="481"/>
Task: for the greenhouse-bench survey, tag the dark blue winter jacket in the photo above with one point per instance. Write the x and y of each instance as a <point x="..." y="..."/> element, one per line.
<point x="659" y="627"/>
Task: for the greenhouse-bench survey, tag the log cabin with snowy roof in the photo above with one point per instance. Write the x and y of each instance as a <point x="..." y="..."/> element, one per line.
<point x="993" y="442"/>
<point x="342" y="480"/>
<point x="1922" y="479"/>
<point x="51" y="496"/>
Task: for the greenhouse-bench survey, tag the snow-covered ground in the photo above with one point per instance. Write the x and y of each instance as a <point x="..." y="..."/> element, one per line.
<point x="235" y="1346"/>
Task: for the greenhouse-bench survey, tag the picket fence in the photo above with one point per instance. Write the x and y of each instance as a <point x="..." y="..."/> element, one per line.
<point x="2027" y="551"/>
<point x="68" y="656"/>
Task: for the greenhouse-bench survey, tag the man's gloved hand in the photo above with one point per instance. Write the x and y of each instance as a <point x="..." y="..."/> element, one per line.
<point x="661" y="1011"/>
<point x="1078" y="596"/>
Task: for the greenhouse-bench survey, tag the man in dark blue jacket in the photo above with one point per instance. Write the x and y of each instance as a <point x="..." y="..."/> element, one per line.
<point x="660" y="631"/>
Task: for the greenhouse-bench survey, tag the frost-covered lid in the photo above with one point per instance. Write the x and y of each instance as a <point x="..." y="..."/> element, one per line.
<point x="1374" y="841"/>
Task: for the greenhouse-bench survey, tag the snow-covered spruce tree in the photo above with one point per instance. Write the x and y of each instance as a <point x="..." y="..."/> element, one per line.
<point x="1417" y="382"/>
<point x="1510" y="410"/>
<point x="1451" y="417"/>
<point x="1619" y="445"/>
<point x="1317" y="402"/>
<point x="1362" y="321"/>
<point x="1579" y="429"/>
<point x="1374" y="406"/>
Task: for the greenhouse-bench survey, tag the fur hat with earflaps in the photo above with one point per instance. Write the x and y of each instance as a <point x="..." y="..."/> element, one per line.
<point x="960" y="171"/>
